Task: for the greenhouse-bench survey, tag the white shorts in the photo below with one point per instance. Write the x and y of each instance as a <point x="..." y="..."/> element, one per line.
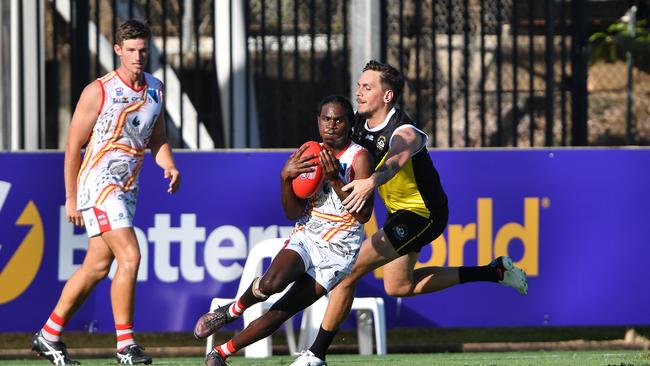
<point x="321" y="263"/>
<point x="114" y="213"/>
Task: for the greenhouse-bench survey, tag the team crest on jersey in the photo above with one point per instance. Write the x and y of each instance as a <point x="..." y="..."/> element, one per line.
<point x="381" y="143"/>
<point x="119" y="91"/>
<point x="400" y="231"/>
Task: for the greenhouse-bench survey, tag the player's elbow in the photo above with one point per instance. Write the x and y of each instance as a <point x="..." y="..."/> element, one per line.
<point x="291" y="213"/>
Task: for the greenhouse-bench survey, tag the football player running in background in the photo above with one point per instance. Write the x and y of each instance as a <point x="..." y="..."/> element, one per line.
<point x="122" y="114"/>
<point x="325" y="241"/>
<point x="409" y="185"/>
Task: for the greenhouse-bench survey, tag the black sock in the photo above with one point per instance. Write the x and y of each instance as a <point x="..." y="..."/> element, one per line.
<point x="322" y="343"/>
<point x="480" y="273"/>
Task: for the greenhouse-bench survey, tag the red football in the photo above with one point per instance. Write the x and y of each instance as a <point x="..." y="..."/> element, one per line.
<point x="306" y="184"/>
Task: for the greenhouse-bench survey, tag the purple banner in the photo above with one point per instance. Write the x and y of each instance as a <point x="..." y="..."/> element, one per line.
<point x="576" y="220"/>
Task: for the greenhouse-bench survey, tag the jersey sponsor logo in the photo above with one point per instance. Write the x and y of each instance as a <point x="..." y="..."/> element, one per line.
<point x="20" y="262"/>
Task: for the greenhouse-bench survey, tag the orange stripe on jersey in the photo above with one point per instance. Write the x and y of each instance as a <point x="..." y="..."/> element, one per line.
<point x="335" y="230"/>
<point x="87" y="156"/>
<point x="122" y="118"/>
<point x="330" y="217"/>
<point x="107" y="77"/>
<point x="128" y="149"/>
<point x="108" y="189"/>
<point x="117" y="132"/>
<point x="127" y="185"/>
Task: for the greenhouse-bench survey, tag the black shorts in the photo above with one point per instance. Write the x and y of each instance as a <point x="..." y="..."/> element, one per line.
<point x="409" y="232"/>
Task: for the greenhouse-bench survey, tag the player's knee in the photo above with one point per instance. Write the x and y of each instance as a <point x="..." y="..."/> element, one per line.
<point x="97" y="271"/>
<point x="269" y="285"/>
<point x="129" y="262"/>
<point x="398" y="290"/>
<point x="346" y="283"/>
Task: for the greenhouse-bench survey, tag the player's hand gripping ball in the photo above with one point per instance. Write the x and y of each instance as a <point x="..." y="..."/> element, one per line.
<point x="307" y="184"/>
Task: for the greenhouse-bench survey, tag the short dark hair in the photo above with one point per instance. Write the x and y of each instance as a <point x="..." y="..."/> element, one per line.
<point x="348" y="111"/>
<point x="132" y="29"/>
<point x="389" y="76"/>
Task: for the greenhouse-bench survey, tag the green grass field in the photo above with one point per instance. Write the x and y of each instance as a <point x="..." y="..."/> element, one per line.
<point x="596" y="358"/>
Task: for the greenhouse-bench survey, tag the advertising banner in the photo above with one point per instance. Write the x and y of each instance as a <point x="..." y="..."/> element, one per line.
<point x="575" y="219"/>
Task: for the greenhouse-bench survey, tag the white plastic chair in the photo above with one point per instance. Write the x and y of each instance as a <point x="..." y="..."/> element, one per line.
<point x="254" y="268"/>
<point x="312" y="316"/>
<point x="370" y="316"/>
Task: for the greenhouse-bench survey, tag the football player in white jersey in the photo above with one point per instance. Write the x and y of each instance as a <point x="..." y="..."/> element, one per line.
<point x="325" y="241"/>
<point x="118" y="116"/>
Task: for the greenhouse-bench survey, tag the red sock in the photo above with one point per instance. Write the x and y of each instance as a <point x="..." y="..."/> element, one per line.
<point x="124" y="334"/>
<point x="226" y="349"/>
<point x="236" y="309"/>
<point x="53" y="328"/>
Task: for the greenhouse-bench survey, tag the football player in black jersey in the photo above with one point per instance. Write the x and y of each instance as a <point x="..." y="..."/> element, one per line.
<point x="409" y="185"/>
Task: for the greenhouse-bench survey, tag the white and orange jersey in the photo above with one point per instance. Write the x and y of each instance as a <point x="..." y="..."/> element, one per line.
<point x="326" y="221"/>
<point x="119" y="138"/>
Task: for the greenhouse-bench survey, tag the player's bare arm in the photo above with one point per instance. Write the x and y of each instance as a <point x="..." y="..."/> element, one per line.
<point x="162" y="154"/>
<point x="362" y="169"/>
<point x="294" y="166"/>
<point x="404" y="143"/>
<point x="81" y="126"/>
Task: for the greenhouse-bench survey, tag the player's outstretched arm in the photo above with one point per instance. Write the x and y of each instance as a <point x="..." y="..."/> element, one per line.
<point x="81" y="125"/>
<point x="404" y="143"/>
<point x="162" y="154"/>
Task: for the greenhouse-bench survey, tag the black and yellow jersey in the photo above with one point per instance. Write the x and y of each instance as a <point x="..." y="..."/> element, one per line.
<point x="416" y="187"/>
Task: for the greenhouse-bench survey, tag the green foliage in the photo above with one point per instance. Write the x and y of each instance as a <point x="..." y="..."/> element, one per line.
<point x="612" y="44"/>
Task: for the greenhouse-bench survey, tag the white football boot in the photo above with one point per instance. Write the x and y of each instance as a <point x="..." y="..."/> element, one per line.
<point x="307" y="358"/>
<point x="513" y="276"/>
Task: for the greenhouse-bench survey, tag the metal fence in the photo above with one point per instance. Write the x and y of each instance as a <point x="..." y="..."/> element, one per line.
<point x="479" y="72"/>
<point x="485" y="73"/>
